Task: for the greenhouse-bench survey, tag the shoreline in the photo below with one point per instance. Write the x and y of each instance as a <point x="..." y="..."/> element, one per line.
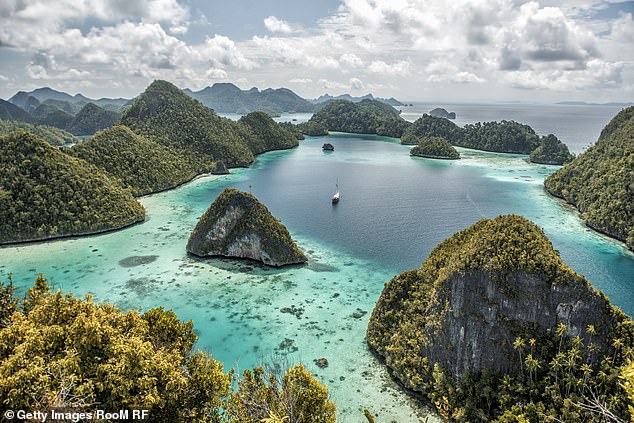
<point x="599" y="231"/>
<point x="14" y="243"/>
<point x="17" y="243"/>
<point x="429" y="156"/>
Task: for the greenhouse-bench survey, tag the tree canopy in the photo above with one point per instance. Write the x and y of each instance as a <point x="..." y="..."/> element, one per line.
<point x="365" y="117"/>
<point x="45" y="193"/>
<point x="600" y="181"/>
<point x="61" y="352"/>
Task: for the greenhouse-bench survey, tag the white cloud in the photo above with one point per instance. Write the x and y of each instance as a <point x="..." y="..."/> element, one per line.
<point x="622" y="29"/>
<point x="400" y="68"/>
<point x="385" y="45"/>
<point x="351" y="60"/>
<point x="356" y="84"/>
<point x="274" y="24"/>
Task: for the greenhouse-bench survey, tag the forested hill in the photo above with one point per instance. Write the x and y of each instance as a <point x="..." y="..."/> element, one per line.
<point x="51" y="134"/>
<point x="139" y="163"/>
<point x="45" y="193"/>
<point x="506" y="136"/>
<point x="167" y="115"/>
<point x="364" y="117"/>
<point x="600" y="181"/>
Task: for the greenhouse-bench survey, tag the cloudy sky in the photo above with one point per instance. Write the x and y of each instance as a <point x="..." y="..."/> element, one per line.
<point x="463" y="50"/>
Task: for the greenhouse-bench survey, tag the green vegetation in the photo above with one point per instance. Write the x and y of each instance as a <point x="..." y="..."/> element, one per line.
<point x="364" y="117"/>
<point x="428" y="125"/>
<point x="293" y="129"/>
<point x="45" y="193"/>
<point x="266" y="135"/>
<point x="435" y="148"/>
<point x="50" y="134"/>
<point x="551" y="151"/>
<point x="502" y="137"/>
<point x="442" y="113"/>
<point x="13" y="112"/>
<point x="73" y="355"/>
<point x="313" y="129"/>
<point x="140" y="164"/>
<point x="505" y="137"/>
<point x="66" y="106"/>
<point x="90" y="119"/>
<point x="167" y="115"/>
<point x="243" y="218"/>
<point x="599" y="182"/>
<point x="265" y="396"/>
<point x="45" y="114"/>
<point x="570" y="371"/>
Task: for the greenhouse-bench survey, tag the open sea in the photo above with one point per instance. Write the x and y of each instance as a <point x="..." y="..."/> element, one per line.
<point x="394" y="210"/>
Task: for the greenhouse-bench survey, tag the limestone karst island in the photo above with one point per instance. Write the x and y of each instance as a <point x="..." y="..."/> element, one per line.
<point x="347" y="211"/>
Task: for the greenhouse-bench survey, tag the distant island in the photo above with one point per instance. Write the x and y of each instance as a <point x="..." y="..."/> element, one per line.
<point x="364" y="117"/>
<point x="599" y="181"/>
<point x="551" y="151"/>
<point x="327" y="98"/>
<point x="238" y="225"/>
<point x="494" y="327"/>
<point x="77" y="115"/>
<point x="442" y="113"/>
<point x="435" y="148"/>
<point x="585" y="103"/>
<point x="502" y="137"/>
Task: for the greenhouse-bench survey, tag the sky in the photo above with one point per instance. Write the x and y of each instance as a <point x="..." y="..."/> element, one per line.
<point x="414" y="50"/>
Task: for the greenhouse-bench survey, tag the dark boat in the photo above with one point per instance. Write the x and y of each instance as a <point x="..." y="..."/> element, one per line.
<point x="328" y="147"/>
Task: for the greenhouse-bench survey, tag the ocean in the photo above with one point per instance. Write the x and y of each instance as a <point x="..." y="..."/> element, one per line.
<point x="394" y="210"/>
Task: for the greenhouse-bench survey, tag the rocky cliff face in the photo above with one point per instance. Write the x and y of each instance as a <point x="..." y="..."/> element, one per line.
<point x="484" y="318"/>
<point x="238" y="225"/>
<point x="475" y="295"/>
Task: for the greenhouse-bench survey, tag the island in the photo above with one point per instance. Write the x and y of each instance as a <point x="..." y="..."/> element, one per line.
<point x="237" y="225"/>
<point x="312" y="128"/>
<point x="506" y="136"/>
<point x="428" y="125"/>
<point x="598" y="182"/>
<point x="224" y="97"/>
<point x="435" y="148"/>
<point x="47" y="194"/>
<point x="442" y="113"/>
<point x="139" y="163"/>
<point x="551" y="151"/>
<point x="263" y="134"/>
<point x="83" y="118"/>
<point x="364" y="117"/>
<point x="494" y="325"/>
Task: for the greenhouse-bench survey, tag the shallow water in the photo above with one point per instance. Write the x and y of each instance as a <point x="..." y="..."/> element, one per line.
<point x="394" y="210"/>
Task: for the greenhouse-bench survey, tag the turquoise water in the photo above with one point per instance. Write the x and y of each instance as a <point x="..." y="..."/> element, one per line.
<point x="394" y="210"/>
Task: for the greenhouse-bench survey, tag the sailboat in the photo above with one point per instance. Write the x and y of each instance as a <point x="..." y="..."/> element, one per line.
<point x="337" y="196"/>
